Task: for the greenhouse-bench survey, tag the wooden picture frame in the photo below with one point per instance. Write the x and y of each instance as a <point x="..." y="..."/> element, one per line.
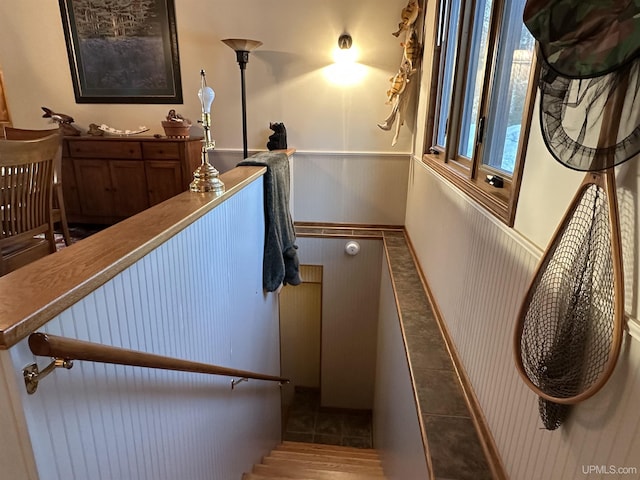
<point x="126" y="52"/>
<point x="5" y="117"/>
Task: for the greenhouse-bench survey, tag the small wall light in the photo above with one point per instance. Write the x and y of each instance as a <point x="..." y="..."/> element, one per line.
<point x="345" y="41"/>
<point x="345" y="70"/>
<point x="344" y="53"/>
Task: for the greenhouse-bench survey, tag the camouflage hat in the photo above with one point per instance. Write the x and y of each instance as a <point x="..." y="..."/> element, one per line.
<point x="585" y="38"/>
<point x="589" y="80"/>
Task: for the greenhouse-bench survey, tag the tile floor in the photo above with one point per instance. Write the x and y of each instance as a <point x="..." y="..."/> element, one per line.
<point x="306" y="421"/>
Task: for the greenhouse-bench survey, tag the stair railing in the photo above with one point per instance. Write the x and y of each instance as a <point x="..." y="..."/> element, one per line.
<point x="66" y="350"/>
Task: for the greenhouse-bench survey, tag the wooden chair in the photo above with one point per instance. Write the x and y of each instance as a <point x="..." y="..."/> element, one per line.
<point x="26" y="184"/>
<point x="59" y="213"/>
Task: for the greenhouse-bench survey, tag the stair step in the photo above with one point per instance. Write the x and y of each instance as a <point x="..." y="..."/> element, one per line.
<point x="326" y="456"/>
<point x="288" y="472"/>
<point x="312" y="461"/>
<point x="321" y="465"/>
<point x="257" y="476"/>
<point x="322" y="449"/>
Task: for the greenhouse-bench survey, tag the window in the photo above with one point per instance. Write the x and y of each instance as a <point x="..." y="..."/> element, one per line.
<point x="482" y="99"/>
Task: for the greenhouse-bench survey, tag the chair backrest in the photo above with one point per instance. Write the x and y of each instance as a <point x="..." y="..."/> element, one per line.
<point x="11" y="133"/>
<point x="26" y="181"/>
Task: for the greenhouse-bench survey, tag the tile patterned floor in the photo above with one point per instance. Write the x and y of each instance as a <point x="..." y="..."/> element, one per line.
<point x="308" y="422"/>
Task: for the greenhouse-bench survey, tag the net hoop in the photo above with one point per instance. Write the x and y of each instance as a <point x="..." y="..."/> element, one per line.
<point x="606" y="181"/>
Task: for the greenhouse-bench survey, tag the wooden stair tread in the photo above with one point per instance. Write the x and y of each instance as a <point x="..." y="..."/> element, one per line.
<point x="316" y="449"/>
<point x="325" y="457"/>
<point x="287" y="444"/>
<point x="257" y="476"/>
<point x="310" y="473"/>
<point x="312" y="461"/>
<point x="321" y="465"/>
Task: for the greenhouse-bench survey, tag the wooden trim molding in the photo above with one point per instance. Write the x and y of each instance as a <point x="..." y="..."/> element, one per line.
<point x="35" y="293"/>
<point x="633" y="325"/>
<point x="495" y="204"/>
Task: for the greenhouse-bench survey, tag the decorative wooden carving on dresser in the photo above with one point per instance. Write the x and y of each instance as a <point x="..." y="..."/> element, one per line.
<point x="107" y="179"/>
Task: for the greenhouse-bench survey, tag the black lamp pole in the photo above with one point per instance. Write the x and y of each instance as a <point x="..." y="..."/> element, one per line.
<point x="243" y="59"/>
<point x="242" y="47"/>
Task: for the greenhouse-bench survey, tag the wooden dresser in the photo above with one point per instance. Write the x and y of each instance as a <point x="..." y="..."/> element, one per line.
<point x="106" y="179"/>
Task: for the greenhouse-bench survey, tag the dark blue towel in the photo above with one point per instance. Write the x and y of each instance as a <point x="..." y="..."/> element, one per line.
<point x="280" y="265"/>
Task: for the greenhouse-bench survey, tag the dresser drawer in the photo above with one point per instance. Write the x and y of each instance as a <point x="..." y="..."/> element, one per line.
<point x="161" y="150"/>
<point x="102" y="149"/>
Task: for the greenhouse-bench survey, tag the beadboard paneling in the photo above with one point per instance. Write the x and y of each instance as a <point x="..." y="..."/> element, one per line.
<point x="16" y="457"/>
<point x="352" y="188"/>
<point x="199" y="297"/>
<point x="478" y="272"/>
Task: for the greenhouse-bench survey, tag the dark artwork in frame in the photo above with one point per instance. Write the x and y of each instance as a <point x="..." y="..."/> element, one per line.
<point x="122" y="51"/>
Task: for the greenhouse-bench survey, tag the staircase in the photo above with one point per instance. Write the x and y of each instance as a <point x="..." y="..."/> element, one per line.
<point x="312" y="461"/>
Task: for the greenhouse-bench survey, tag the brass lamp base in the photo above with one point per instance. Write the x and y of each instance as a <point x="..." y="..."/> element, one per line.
<point x="206" y="179"/>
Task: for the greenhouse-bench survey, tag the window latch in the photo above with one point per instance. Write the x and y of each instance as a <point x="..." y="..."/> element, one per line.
<point x="495" y="181"/>
<point x="480" y="136"/>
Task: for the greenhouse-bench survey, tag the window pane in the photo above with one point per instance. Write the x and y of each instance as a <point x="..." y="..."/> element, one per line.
<point x="447" y="64"/>
<point x="475" y="76"/>
<point x="510" y="87"/>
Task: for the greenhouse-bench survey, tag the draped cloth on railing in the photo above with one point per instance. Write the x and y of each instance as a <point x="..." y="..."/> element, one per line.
<point x="281" y="264"/>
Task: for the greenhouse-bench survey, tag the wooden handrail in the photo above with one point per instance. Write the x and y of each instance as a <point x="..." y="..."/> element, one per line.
<point x="69" y="349"/>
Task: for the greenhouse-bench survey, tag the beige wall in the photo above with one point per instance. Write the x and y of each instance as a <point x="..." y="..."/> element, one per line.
<point x="285" y="76"/>
<point x="350" y="287"/>
<point x="333" y="128"/>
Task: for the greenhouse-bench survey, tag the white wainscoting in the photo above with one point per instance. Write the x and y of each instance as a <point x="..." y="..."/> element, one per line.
<point x="352" y="188"/>
<point x="342" y="187"/>
<point x="199" y="297"/>
<point x="478" y="271"/>
<point x="396" y="426"/>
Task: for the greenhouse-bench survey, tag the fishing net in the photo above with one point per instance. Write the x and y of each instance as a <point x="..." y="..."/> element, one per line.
<point x="567" y="329"/>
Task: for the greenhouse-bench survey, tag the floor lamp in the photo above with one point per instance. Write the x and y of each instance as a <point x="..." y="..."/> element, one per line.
<point x="242" y="47"/>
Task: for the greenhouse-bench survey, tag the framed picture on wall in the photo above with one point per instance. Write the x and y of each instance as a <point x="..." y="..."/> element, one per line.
<point x="122" y="51"/>
<point x="5" y="118"/>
